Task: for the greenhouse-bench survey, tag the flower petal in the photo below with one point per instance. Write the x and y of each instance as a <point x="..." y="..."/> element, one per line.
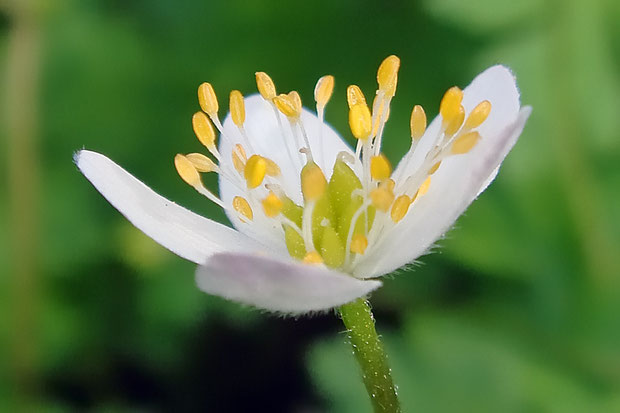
<point x="450" y="193"/>
<point x="188" y="235"/>
<point x="266" y="138"/>
<point x="497" y="85"/>
<point x="279" y="285"/>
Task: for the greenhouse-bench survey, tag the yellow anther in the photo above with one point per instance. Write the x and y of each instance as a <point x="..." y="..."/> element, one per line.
<point x="237" y="108"/>
<point x="313" y="182"/>
<point x="400" y="208"/>
<point x="355" y="96"/>
<point x="286" y="105"/>
<point x="359" y="243"/>
<point x="418" y="122"/>
<point x="360" y="121"/>
<point x="242" y="206"/>
<point x="272" y="168"/>
<point x="450" y="105"/>
<point x="434" y="168"/>
<point x="465" y="143"/>
<point x="456" y="122"/>
<point x="201" y="162"/>
<point x="265" y="86"/>
<point x="204" y="130"/>
<point x="389" y="184"/>
<point x="207" y="99"/>
<point x="323" y="90"/>
<point x="239" y="158"/>
<point x="424" y="187"/>
<point x="382" y="198"/>
<point x="272" y="205"/>
<point x="254" y="171"/>
<point x="380" y="167"/>
<point x="187" y="171"/>
<point x="478" y="115"/>
<point x="387" y="75"/>
<point x="313" y="257"/>
<point x="296" y="99"/>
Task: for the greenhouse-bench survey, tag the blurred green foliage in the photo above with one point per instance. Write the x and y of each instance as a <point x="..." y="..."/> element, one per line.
<point x="518" y="310"/>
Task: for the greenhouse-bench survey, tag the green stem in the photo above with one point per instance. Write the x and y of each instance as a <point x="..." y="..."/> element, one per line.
<point x="370" y="355"/>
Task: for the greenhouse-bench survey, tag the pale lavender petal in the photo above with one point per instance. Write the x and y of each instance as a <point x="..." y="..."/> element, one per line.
<point x="279" y="285"/>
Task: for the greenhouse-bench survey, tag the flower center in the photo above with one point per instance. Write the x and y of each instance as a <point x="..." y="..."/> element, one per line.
<point x="341" y="218"/>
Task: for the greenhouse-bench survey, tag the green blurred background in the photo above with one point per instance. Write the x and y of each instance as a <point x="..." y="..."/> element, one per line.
<point x="518" y="311"/>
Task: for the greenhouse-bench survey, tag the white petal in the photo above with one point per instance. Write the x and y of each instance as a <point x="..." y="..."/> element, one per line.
<point x="188" y="235"/>
<point x="266" y="138"/>
<point x="279" y="285"/>
<point x="497" y="85"/>
<point x="449" y="195"/>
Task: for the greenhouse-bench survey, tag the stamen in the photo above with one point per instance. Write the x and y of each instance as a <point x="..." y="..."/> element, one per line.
<point x="380" y="168"/>
<point x="455" y="123"/>
<point x="254" y="171"/>
<point x="434" y="168"/>
<point x="360" y="121"/>
<point x="296" y="99"/>
<point x="382" y="198"/>
<point x="450" y="105"/>
<point x="400" y="208"/>
<point x="267" y="89"/>
<point x="359" y="243"/>
<point x="387" y="75"/>
<point x="323" y="91"/>
<point x="272" y="168"/>
<point x="287" y="106"/>
<point x="187" y="171"/>
<point x="380" y="114"/>
<point x="201" y="162"/>
<point x="423" y="188"/>
<point x="272" y="205"/>
<point x="290" y="151"/>
<point x="265" y="86"/>
<point x="465" y="143"/>
<point x="208" y="99"/>
<point x="478" y="115"/>
<point x="239" y="158"/>
<point x="418" y="122"/>
<point x="204" y="132"/>
<point x="380" y="121"/>
<point x="387" y="78"/>
<point x="291" y="106"/>
<point x="313" y="257"/>
<point x="307" y="150"/>
<point x="313" y="182"/>
<point x="355" y="96"/>
<point x="237" y="108"/>
<point x="242" y="206"/>
<point x="363" y="209"/>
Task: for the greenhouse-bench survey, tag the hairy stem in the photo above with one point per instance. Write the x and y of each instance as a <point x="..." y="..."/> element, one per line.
<point x="370" y="355"/>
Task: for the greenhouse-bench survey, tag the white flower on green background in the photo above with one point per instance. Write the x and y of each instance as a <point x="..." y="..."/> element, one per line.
<point x="315" y="222"/>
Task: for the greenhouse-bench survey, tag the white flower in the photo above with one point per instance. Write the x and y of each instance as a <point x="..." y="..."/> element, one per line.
<point x="292" y="189"/>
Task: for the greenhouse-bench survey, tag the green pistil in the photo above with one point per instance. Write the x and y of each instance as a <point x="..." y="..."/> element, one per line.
<point x="331" y="218"/>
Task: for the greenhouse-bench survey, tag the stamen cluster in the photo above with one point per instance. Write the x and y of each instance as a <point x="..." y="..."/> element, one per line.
<point x="342" y="217"/>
